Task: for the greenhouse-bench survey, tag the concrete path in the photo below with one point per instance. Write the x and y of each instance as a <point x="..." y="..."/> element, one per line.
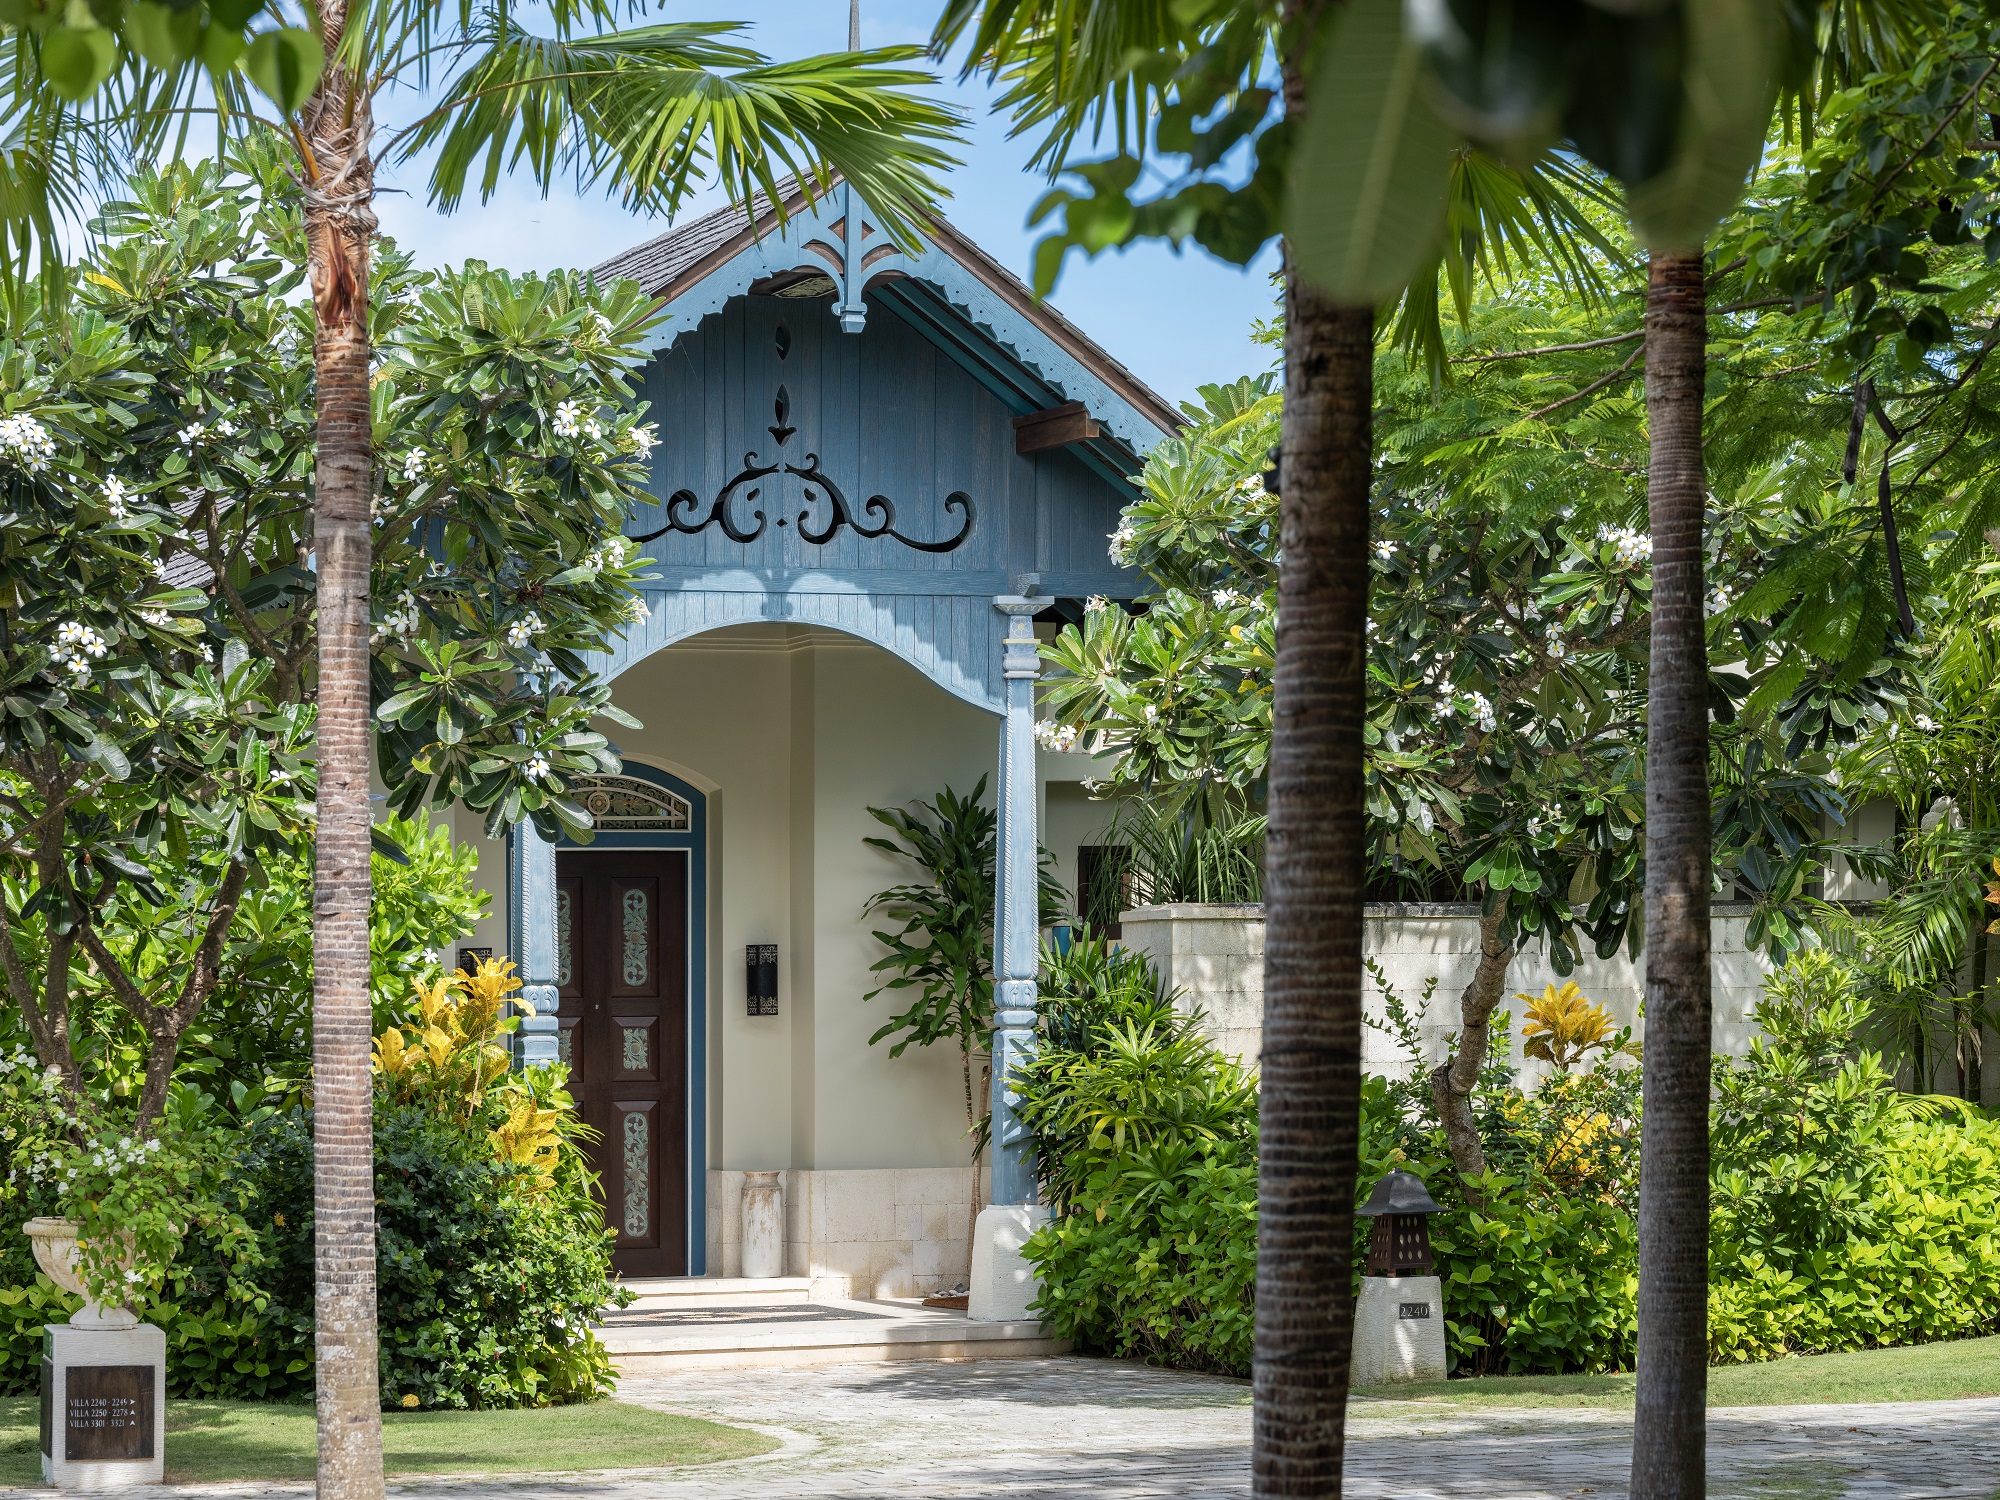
<point x="1067" y="1429"/>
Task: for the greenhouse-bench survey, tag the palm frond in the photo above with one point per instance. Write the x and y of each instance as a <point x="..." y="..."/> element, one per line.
<point x="653" y="109"/>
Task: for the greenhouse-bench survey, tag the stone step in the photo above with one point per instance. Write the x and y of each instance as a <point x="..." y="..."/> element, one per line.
<point x="656" y="1339"/>
<point x="717" y="1291"/>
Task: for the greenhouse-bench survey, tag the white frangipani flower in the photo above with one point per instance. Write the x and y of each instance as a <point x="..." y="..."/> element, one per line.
<point x="27" y="441"/>
<point x="116" y="498"/>
<point x="521" y="633"/>
<point x="77" y="646"/>
<point x="1629" y="548"/>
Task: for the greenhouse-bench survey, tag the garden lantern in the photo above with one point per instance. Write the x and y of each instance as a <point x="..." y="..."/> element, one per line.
<point x="1400" y="1244"/>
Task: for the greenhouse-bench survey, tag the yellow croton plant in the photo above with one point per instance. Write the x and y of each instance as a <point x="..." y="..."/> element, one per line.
<point x="449" y="1053"/>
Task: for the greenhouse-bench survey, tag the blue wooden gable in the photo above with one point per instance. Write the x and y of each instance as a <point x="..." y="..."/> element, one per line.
<point x="840" y="445"/>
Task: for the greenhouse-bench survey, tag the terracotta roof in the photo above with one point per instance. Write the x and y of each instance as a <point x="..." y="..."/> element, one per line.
<point x="669" y="264"/>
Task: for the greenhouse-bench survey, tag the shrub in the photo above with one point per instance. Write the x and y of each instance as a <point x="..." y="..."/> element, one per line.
<point x="1144" y="1136"/>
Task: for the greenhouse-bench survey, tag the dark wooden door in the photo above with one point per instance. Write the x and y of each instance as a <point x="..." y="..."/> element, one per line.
<point x="621" y="969"/>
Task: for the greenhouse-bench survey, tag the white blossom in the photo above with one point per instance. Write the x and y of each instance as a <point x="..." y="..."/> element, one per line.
<point x="159" y="619"/>
<point x="571" y="421"/>
<point x="77" y="646"/>
<point x="400" y="623"/>
<point x="537" y="766"/>
<point x="1385" y="549"/>
<point x="225" y="428"/>
<point x="1224" y="598"/>
<point x="521" y="633"/>
<point x="644" y="440"/>
<point x="609" y="553"/>
<point x="1096" y="604"/>
<point x="28" y="441"/>
<point x="413" y="465"/>
<point x="1629" y="548"/>
<point x="1926" y="723"/>
<point x="191" y="434"/>
<point x="116" y="497"/>
<point x="1122" y="542"/>
<point x="1053" y="736"/>
<point x="1480" y="708"/>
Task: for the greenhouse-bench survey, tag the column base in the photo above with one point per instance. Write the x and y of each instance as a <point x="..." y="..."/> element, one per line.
<point x="1003" y="1283"/>
<point x="1398" y="1330"/>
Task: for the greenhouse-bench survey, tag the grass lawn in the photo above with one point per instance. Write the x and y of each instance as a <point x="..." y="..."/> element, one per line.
<point x="222" y="1440"/>
<point x="1919" y="1372"/>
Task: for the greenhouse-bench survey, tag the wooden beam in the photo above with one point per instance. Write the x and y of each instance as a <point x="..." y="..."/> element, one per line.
<point x="1055" y="428"/>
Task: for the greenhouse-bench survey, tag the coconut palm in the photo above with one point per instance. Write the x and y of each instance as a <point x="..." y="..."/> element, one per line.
<point x="1082" y="72"/>
<point x="648" y="110"/>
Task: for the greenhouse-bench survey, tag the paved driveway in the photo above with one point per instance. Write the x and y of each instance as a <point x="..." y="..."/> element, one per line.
<point x="1066" y="1429"/>
<point x="1026" y="1429"/>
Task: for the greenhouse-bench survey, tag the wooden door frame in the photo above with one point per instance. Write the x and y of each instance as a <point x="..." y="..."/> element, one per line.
<point x="695" y="843"/>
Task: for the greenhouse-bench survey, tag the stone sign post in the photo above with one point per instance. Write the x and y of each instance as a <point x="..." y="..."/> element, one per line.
<point x="104" y="1376"/>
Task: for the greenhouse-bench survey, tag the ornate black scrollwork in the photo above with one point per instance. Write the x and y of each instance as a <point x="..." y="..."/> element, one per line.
<point x="718" y="515"/>
<point x="682" y="505"/>
<point x="878" y="505"/>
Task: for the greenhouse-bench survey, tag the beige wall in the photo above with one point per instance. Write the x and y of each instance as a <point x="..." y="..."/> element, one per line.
<point x="793" y="733"/>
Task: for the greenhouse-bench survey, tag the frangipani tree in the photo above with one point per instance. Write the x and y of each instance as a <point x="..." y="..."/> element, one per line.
<point x="157" y="753"/>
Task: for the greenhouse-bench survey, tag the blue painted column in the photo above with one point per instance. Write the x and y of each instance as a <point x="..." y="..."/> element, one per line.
<point x="1017" y="913"/>
<point x="531" y="933"/>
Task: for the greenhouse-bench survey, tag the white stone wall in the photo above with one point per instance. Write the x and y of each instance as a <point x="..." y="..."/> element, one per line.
<point x="1213" y="956"/>
<point x="1211" y="959"/>
<point x="885" y="1232"/>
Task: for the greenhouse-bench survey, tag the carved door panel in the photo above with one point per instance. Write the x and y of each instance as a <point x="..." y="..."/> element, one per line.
<point x="621" y="970"/>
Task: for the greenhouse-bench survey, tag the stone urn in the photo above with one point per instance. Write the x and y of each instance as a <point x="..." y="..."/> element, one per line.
<point x="58" y="1254"/>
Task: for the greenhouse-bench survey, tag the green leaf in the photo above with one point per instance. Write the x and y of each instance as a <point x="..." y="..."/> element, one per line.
<point x="1368" y="192"/>
<point x="162" y="36"/>
<point x="1730" y="88"/>
<point x="285" y="64"/>
<point x="75" y="61"/>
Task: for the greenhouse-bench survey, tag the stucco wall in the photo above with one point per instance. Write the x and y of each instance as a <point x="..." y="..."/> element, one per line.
<point x="793" y="733"/>
<point x="1213" y="955"/>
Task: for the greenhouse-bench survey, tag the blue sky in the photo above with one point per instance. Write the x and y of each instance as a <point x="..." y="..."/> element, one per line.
<point x="1177" y="320"/>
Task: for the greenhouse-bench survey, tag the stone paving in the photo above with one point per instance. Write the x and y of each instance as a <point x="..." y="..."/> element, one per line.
<point x="1062" y="1429"/>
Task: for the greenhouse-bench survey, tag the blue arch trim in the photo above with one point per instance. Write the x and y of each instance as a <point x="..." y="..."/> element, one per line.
<point x="695" y="842"/>
<point x="951" y="639"/>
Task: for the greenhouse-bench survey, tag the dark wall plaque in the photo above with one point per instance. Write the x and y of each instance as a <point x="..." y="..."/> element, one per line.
<point x="1413" y="1310"/>
<point x="108" y="1412"/>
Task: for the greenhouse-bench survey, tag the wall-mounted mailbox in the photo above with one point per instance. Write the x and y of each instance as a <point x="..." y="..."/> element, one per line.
<point x="760" y="978"/>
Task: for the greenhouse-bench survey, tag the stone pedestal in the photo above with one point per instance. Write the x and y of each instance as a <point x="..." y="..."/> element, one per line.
<point x="763" y="1225"/>
<point x="1398" y="1330"/>
<point x="1003" y="1283"/>
<point x="104" y="1406"/>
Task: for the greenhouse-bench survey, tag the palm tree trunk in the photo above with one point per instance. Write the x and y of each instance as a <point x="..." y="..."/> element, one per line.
<point x="340" y="224"/>
<point x="1669" y="1434"/>
<point x="1452" y="1084"/>
<point x="1310" y="1114"/>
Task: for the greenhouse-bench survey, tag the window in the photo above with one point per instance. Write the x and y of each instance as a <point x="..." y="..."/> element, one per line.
<point x="1103" y="886"/>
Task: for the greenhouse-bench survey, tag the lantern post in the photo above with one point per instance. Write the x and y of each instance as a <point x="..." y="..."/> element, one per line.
<point x="1399" y="1316"/>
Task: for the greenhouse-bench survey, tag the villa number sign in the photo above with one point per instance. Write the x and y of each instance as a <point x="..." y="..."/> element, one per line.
<point x="107" y="1412"/>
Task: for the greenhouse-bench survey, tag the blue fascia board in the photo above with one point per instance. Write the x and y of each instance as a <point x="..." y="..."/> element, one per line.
<point x="878" y="582"/>
<point x="1013" y="339"/>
